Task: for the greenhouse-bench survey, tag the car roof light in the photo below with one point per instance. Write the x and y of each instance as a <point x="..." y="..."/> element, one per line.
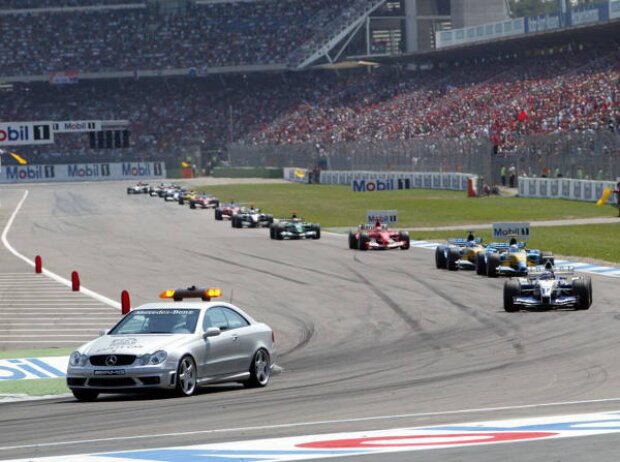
<point x="192" y="292"/>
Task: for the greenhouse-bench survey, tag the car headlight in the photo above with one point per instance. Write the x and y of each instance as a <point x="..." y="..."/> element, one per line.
<point x="77" y="359"/>
<point x="153" y="359"/>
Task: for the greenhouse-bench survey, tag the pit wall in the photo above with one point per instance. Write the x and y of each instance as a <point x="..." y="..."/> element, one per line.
<point x="563" y="188"/>
<point x="17" y="174"/>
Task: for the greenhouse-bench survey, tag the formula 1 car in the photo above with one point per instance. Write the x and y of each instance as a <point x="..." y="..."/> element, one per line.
<point x="546" y="288"/>
<point x="173" y="194"/>
<point x="187" y="196"/>
<point x="459" y="253"/>
<point x="294" y="228"/>
<point x="251" y="218"/>
<point x="139" y="188"/>
<point x="510" y="259"/>
<point x="226" y="211"/>
<point x="378" y="237"/>
<point x="204" y="201"/>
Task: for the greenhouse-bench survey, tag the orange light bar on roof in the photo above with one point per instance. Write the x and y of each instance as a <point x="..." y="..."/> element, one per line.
<point x="192" y="292"/>
<point x="167" y="294"/>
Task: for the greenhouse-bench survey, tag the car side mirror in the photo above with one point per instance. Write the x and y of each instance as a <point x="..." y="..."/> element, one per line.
<point x="103" y="332"/>
<point x="211" y="332"/>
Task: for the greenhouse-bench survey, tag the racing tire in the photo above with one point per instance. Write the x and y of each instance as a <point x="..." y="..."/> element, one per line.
<point x="192" y="204"/>
<point x="272" y="232"/>
<point x="260" y="370"/>
<point x="218" y="215"/>
<point x="269" y="219"/>
<point x="453" y="257"/>
<point x="128" y="191"/>
<point x="481" y="264"/>
<point x="234" y="222"/>
<point x="363" y="241"/>
<point x="186" y="376"/>
<point x="582" y="288"/>
<point x="279" y="236"/>
<point x="85" y="395"/>
<point x="404" y="236"/>
<point x="216" y="204"/>
<point x="512" y="288"/>
<point x="493" y="262"/>
<point x="181" y="201"/>
<point x="441" y="261"/>
<point x="352" y="241"/>
<point x="318" y="232"/>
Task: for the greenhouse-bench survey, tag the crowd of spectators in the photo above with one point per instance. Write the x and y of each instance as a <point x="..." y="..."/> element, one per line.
<point x="203" y="36"/>
<point x="502" y="102"/>
<point x="32" y="4"/>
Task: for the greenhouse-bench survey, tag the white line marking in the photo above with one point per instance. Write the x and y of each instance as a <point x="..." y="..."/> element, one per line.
<point x="307" y="424"/>
<point x="48" y="273"/>
<point x="56" y="329"/>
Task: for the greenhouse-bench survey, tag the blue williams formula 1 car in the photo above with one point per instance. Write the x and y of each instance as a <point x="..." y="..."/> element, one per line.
<point x="546" y="288"/>
<point x="510" y="259"/>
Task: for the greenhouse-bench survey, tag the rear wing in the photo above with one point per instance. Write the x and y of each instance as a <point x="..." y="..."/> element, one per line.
<point x="463" y="242"/>
<point x="563" y="271"/>
<point x="504" y="245"/>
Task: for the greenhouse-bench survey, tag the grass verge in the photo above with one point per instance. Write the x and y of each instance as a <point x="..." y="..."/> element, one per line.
<point x="35" y="387"/>
<point x="335" y="206"/>
<point x="18" y="354"/>
<point x="587" y="241"/>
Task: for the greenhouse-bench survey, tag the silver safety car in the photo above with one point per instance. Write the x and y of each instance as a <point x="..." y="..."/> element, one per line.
<point x="548" y="288"/>
<point x="177" y="346"/>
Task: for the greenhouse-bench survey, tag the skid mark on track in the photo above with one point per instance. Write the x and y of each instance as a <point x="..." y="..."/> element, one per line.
<point x="410" y="321"/>
<point x="306" y="268"/>
<point x="239" y="265"/>
<point x="497" y="330"/>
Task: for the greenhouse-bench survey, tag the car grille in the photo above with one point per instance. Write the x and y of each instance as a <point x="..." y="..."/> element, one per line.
<point x="111" y="382"/>
<point x="76" y="381"/>
<point x="121" y="360"/>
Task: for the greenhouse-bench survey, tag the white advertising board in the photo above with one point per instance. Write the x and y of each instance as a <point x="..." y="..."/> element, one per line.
<point x="519" y="230"/>
<point x="368" y="181"/>
<point x="77" y="126"/>
<point x="384" y="216"/>
<point x="25" y="133"/>
<point x="563" y="188"/>
<point x="81" y="172"/>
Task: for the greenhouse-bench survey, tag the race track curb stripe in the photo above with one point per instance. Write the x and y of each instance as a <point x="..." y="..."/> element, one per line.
<point x="333" y="445"/>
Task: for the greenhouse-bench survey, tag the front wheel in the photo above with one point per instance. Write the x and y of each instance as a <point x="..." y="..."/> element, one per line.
<point x="260" y="370"/>
<point x="404" y="237"/>
<point x="317" y="234"/>
<point x="186" y="376"/>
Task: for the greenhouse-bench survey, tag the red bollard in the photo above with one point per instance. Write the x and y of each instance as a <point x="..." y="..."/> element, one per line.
<point x="38" y="264"/>
<point x="75" y="281"/>
<point x="125" y="303"/>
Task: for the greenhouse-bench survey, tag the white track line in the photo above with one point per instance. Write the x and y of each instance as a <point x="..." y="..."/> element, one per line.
<point x="306" y="424"/>
<point x="54" y="276"/>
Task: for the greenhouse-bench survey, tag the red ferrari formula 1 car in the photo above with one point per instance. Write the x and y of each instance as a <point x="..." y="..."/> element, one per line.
<point x="378" y="237"/>
<point x="227" y="211"/>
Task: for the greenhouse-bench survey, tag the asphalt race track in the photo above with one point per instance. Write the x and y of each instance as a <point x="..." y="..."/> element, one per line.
<point x="367" y="340"/>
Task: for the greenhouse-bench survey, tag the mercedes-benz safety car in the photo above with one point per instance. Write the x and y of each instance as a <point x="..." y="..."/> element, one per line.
<point x="378" y="237"/>
<point x="510" y="259"/>
<point x="459" y="253"/>
<point x="294" y="228"/>
<point x="204" y="201"/>
<point x="226" y="210"/>
<point x="139" y="188"/>
<point x="547" y="288"/>
<point x="177" y="346"/>
<point x="249" y="217"/>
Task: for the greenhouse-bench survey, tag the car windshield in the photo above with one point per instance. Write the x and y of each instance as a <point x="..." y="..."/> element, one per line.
<point x="157" y="321"/>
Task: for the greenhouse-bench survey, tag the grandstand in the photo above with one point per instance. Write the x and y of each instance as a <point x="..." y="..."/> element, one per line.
<point x="288" y="80"/>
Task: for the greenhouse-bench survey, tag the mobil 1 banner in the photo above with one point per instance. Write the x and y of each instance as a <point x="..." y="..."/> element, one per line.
<point x="82" y="172"/>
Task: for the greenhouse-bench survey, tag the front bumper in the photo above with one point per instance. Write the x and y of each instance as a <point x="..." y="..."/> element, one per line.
<point x="392" y="245"/>
<point x="131" y="378"/>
